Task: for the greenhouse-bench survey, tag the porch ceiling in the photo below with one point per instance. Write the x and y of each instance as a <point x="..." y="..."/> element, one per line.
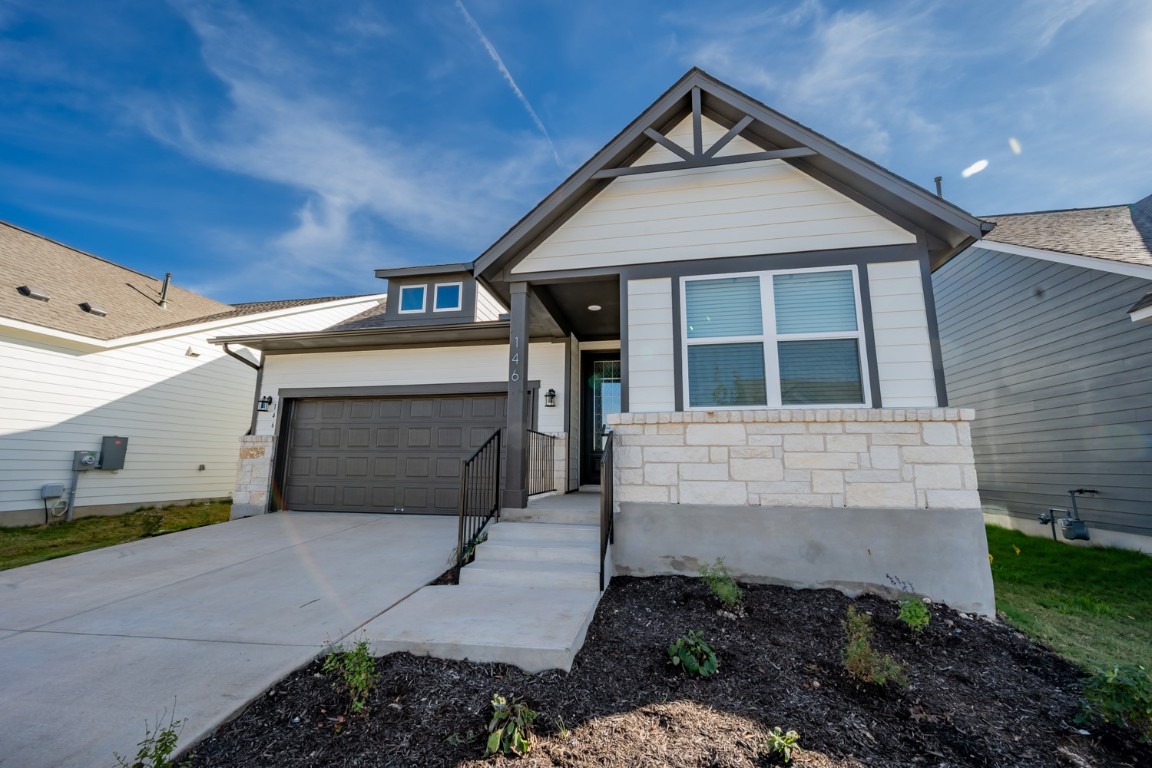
<point x="568" y="303"/>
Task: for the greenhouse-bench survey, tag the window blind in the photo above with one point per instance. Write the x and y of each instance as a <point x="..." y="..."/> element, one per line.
<point x="814" y="302"/>
<point x="725" y="307"/>
<point x="820" y="371"/>
<point x="726" y="374"/>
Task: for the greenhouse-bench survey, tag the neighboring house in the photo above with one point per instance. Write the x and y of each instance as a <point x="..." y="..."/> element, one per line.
<point x="1046" y="327"/>
<point x="91" y="349"/>
<point x="745" y="303"/>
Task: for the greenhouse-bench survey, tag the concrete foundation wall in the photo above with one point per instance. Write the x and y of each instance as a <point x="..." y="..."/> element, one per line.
<point x="942" y="553"/>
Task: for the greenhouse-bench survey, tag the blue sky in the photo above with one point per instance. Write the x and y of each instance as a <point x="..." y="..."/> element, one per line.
<point x="264" y="150"/>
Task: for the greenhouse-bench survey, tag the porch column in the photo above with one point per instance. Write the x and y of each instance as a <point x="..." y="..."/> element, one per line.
<point x="516" y="476"/>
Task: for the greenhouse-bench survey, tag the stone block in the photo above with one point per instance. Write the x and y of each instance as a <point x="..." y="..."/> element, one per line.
<point x="803" y="443"/>
<point x="825" y="429"/>
<point x="675" y="455"/>
<point x="716" y="434"/>
<point x="628" y="456"/>
<point x="783" y="488"/>
<point x="885" y="456"/>
<point x="884" y="428"/>
<point x="873" y="476"/>
<point x="969" y="478"/>
<point x="648" y="438"/>
<point x="756" y="469"/>
<point x="953" y="499"/>
<point x="752" y="453"/>
<point x="795" y="500"/>
<point x="938" y="477"/>
<point x="826" y="481"/>
<point x="890" y="495"/>
<point x="887" y="439"/>
<point x="964" y="433"/>
<point x="937" y="455"/>
<point x="939" y="433"/>
<point x="821" y="461"/>
<point x="847" y="443"/>
<point x="669" y="429"/>
<point x="718" y="455"/>
<point x="722" y="493"/>
<point x="798" y="475"/>
<point x="704" y="472"/>
<point x="654" y="493"/>
<point x="661" y="474"/>
<point x="776" y="428"/>
<point x="630" y="476"/>
<point x="757" y="440"/>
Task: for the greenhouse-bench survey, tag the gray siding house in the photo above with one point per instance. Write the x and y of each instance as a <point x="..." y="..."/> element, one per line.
<point x="1046" y="331"/>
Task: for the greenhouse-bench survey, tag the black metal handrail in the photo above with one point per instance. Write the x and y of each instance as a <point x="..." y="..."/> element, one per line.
<point x="541" y="462"/>
<point x="607" y="503"/>
<point x="479" y="497"/>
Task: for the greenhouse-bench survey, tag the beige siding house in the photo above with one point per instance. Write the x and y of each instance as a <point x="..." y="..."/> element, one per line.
<point x="722" y="323"/>
<point x="88" y="349"/>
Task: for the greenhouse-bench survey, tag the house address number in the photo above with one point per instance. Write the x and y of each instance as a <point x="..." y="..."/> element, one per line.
<point x="514" y="360"/>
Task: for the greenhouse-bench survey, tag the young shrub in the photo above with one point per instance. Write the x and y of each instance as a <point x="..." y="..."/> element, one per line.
<point x="155" y="749"/>
<point x="862" y="661"/>
<point x="913" y="613"/>
<point x="1121" y="695"/>
<point x="723" y="586"/>
<point x="693" y="655"/>
<point x="357" y="671"/>
<point x="778" y="743"/>
<point x="510" y="730"/>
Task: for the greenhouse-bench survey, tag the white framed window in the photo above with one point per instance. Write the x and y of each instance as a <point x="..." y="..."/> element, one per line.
<point x="412" y="299"/>
<point x="449" y="297"/>
<point x="774" y="339"/>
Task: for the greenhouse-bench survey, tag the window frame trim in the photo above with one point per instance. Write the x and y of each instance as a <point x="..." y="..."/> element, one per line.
<point x="423" y="299"/>
<point x="459" y="297"/>
<point x="770" y="339"/>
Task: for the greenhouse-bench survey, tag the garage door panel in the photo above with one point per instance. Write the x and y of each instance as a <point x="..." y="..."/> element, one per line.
<point x="385" y="454"/>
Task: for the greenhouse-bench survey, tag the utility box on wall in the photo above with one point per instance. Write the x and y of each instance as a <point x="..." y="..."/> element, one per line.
<point x="112" y="452"/>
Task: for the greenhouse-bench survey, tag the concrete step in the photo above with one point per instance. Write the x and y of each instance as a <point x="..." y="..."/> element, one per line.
<point x="510" y="531"/>
<point x="534" y="629"/>
<point x="538" y="551"/>
<point x="542" y="514"/>
<point x="532" y="575"/>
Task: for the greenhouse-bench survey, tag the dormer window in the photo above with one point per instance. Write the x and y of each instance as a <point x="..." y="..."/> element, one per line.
<point x="449" y="297"/>
<point x="412" y="299"/>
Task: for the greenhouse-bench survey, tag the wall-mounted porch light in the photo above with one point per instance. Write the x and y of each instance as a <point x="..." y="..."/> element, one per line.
<point x="550" y="399"/>
<point x="264" y="403"/>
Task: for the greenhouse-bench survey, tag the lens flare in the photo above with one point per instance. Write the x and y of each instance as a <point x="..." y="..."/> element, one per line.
<point x="975" y="168"/>
<point x="1014" y="145"/>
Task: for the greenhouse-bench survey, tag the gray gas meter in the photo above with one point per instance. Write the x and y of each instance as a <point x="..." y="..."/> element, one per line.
<point x="112" y="451"/>
<point x="82" y="461"/>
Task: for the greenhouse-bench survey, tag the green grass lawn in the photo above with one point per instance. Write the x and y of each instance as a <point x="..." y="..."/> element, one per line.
<point x="23" y="546"/>
<point x="1089" y="604"/>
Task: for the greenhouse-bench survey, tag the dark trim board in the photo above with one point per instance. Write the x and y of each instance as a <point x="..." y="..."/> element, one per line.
<point x="756" y="263"/>
<point x="625" y="385"/>
<point x="933" y="331"/>
<point x="869" y="336"/>
<point x="403" y="390"/>
<point x="677" y="347"/>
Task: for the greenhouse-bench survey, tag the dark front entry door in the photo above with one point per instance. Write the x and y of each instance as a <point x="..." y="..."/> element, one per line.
<point x="600" y="396"/>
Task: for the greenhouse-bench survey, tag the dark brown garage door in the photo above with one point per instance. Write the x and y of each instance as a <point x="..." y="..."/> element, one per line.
<point x="398" y="454"/>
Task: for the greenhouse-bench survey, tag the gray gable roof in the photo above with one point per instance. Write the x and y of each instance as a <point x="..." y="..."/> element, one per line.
<point x="1121" y="233"/>
<point x="72" y="278"/>
<point x="947" y="227"/>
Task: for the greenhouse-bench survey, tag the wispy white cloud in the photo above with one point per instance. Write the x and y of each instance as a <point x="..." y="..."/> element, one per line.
<point x="1051" y="16"/>
<point x="356" y="179"/>
<point x="508" y="77"/>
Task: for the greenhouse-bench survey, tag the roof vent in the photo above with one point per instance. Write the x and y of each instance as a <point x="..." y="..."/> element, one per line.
<point x="92" y="309"/>
<point x="34" y="293"/>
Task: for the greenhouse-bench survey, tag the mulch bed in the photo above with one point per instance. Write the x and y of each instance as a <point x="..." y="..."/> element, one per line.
<point x="980" y="694"/>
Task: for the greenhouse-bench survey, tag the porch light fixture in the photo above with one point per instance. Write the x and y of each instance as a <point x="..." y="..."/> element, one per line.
<point x="593" y="307"/>
<point x="550" y="399"/>
<point x="263" y="403"/>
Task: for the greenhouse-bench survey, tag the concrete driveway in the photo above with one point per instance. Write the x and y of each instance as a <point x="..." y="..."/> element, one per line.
<point x="93" y="645"/>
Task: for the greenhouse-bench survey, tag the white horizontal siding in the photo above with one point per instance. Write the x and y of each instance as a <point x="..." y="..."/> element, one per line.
<point x="745" y="209"/>
<point x="178" y="412"/>
<point x="651" y="348"/>
<point x="903" y="349"/>
<point x="408" y="367"/>
<point x="487" y="308"/>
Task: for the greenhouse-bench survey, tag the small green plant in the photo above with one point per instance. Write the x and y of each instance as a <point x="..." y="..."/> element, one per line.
<point x="150" y="523"/>
<point x="562" y="729"/>
<point x="782" y="743"/>
<point x="723" y="586"/>
<point x="156" y="748"/>
<point x="862" y="661"/>
<point x="357" y="671"/>
<point x="693" y="655"/>
<point x="1120" y="694"/>
<point x="913" y="613"/>
<point x="510" y="730"/>
<point x="457" y="739"/>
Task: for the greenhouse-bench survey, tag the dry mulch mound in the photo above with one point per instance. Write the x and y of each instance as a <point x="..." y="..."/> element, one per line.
<point x="979" y="694"/>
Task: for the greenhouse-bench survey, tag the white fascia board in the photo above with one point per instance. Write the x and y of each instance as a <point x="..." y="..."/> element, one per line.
<point x="1141" y="314"/>
<point x="1072" y="259"/>
<point x="182" y="330"/>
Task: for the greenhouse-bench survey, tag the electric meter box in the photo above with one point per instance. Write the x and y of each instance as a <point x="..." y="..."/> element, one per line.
<point x="112" y="451"/>
<point x="82" y="461"/>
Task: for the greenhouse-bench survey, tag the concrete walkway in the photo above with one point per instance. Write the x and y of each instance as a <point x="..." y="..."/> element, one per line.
<point x="93" y="645"/>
